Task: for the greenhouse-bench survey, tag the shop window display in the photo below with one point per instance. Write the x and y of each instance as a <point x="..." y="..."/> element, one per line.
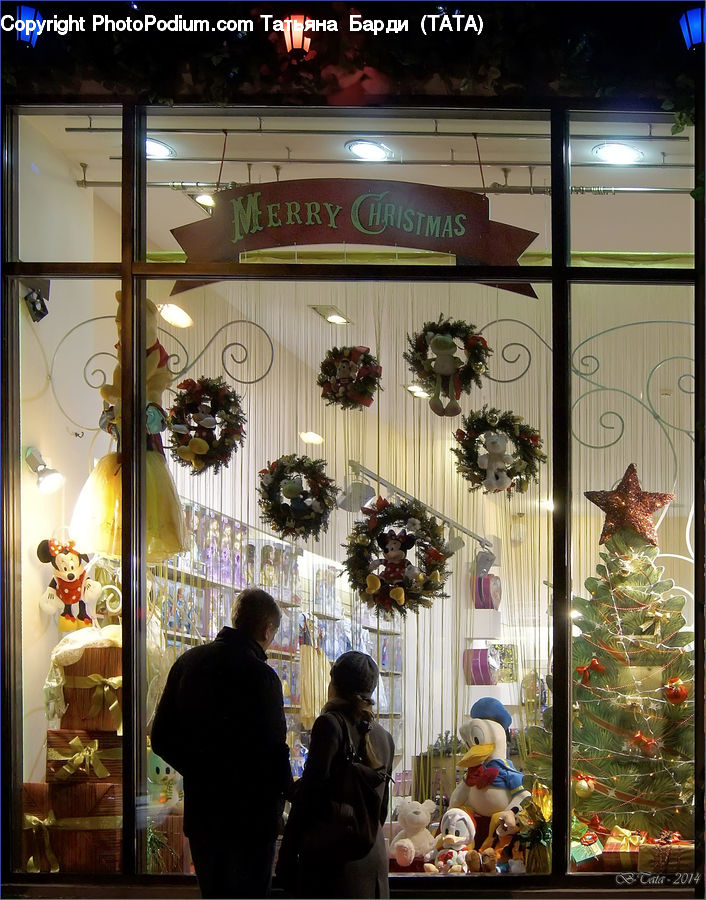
<point x="440" y="567"/>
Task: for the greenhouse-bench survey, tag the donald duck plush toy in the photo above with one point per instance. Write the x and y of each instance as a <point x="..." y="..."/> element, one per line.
<point x="492" y="786"/>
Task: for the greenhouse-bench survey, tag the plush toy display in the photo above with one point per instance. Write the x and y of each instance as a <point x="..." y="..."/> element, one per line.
<point x="415" y="839"/>
<point x="398" y="568"/>
<point x="444" y="365"/>
<point x="456" y="835"/>
<point x="492" y="785"/>
<point x="96" y="520"/>
<point x="69" y="587"/>
<point x="495" y="462"/>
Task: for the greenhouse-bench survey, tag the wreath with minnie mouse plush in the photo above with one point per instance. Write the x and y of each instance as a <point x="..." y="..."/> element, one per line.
<point x="288" y="506"/>
<point x="432" y="359"/>
<point x="206" y="424"/>
<point x="349" y="377"/>
<point x="489" y="430"/>
<point x="401" y="586"/>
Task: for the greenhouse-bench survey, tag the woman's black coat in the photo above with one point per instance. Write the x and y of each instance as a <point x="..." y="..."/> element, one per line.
<point x="304" y="877"/>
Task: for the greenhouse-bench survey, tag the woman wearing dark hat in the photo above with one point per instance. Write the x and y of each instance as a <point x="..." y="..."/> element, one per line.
<point x="304" y="868"/>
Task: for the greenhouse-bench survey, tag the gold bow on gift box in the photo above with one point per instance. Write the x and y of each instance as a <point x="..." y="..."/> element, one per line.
<point x="105" y="691"/>
<point x="629" y="840"/>
<point x="40" y="830"/>
<point x="84" y="755"/>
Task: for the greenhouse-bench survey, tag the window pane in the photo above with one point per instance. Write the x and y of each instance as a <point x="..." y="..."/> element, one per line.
<point x="267" y="341"/>
<point x="630" y="184"/>
<point x="633" y="577"/>
<point x="69" y="187"/>
<point x="200" y="158"/>
<point x="71" y="793"/>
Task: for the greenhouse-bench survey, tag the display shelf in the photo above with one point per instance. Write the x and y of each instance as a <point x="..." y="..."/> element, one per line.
<point x="507" y="692"/>
<point x="193" y="579"/>
<point x="184" y="637"/>
<point x="284" y="654"/>
<point x="382" y="630"/>
<point x="389" y="672"/>
<point x="389" y="715"/>
<point x="328" y="616"/>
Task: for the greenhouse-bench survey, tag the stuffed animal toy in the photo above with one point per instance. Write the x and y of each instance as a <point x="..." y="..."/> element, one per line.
<point x="457" y="832"/>
<point x="492" y="785"/>
<point x="165" y="785"/>
<point x="69" y="587"/>
<point x="444" y="365"/>
<point x="495" y="462"/>
<point x="398" y="568"/>
<point x="414" y="839"/>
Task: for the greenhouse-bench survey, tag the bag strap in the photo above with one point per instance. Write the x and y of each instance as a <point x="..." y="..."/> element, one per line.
<point x="349" y="748"/>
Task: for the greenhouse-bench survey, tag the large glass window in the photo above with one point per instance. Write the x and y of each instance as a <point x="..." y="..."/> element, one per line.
<point x="632" y="671"/>
<point x="69" y="187"/>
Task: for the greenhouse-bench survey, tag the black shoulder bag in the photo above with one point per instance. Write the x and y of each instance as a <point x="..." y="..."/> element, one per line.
<point x="351" y="816"/>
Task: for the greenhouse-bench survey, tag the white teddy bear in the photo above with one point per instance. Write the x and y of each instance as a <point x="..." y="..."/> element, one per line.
<point x="415" y="839"/>
<point x="495" y="462"/>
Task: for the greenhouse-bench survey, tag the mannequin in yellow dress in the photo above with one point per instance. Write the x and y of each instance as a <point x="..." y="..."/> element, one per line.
<point x="96" y="521"/>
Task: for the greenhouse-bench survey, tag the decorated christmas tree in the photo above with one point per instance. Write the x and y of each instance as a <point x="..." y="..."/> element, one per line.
<point x="633" y="678"/>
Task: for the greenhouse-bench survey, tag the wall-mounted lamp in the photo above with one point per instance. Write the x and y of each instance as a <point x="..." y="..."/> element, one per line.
<point x="48" y="480"/>
<point x="692" y="27"/>
<point x="37" y="297"/>
<point x="294" y="37"/>
<point x="175" y="315"/>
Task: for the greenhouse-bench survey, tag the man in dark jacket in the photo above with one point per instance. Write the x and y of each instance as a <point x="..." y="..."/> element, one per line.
<point x="220" y="723"/>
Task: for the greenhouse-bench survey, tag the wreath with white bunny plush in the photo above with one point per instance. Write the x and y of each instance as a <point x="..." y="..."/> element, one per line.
<point x="296" y="496"/>
<point x="481" y="456"/>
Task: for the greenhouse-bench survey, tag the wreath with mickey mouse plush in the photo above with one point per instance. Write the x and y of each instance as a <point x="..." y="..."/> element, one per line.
<point x="489" y="429"/>
<point x="349" y="377"/>
<point x="400" y="586"/>
<point x="288" y="506"/>
<point x="432" y="359"/>
<point x="206" y="424"/>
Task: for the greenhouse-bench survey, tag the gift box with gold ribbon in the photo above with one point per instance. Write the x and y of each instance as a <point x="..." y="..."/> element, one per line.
<point x="72" y="827"/>
<point x="667" y="853"/>
<point x="167" y="848"/>
<point x="93" y="690"/>
<point x="620" y="850"/>
<point x="586" y="848"/>
<point x="84" y="756"/>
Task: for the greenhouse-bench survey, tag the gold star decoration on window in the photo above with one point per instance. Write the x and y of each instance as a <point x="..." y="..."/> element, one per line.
<point x="628" y="506"/>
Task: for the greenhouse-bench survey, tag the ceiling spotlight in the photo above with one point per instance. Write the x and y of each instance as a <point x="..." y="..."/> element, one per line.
<point x="175" y="315"/>
<point x="205" y="200"/>
<point x="416" y="390"/>
<point x="371" y="151"/>
<point x="332" y="315"/>
<point x="158" y="149"/>
<point x="48" y="480"/>
<point x="311" y="437"/>
<point x="617" y="154"/>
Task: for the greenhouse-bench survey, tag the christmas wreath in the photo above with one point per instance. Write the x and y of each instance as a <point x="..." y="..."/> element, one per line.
<point x="206" y="424"/>
<point x="394" y="528"/>
<point x="349" y="377"/>
<point x="433" y="361"/>
<point x="489" y="430"/>
<point x="288" y="506"/>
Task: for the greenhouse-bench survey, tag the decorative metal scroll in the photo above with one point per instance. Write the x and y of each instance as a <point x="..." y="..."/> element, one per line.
<point x="236" y="360"/>
<point x="514" y="352"/>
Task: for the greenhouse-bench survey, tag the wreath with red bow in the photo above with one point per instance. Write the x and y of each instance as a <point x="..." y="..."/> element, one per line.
<point x="401" y="520"/>
<point x="526" y="456"/>
<point x="349" y="377"/>
<point x="296" y="496"/>
<point x="206" y="424"/>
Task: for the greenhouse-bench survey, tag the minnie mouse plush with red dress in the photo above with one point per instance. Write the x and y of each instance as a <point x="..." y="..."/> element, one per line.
<point x="69" y="586"/>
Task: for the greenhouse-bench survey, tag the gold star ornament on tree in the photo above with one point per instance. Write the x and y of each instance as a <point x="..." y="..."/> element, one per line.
<point x="628" y="506"/>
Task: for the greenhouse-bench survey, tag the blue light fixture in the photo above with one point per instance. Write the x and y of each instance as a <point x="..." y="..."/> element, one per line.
<point x="27" y="33"/>
<point x="692" y="27"/>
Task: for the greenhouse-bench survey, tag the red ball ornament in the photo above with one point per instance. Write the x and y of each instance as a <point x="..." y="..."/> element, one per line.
<point x="676" y="691"/>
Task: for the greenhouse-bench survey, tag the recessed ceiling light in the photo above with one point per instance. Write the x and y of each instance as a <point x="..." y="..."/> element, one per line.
<point x="372" y="151"/>
<point x="332" y="315"/>
<point x="175" y="315"/>
<point x="205" y="200"/>
<point x="617" y="154"/>
<point x="311" y="437"/>
<point x="158" y="149"/>
<point x="417" y="391"/>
